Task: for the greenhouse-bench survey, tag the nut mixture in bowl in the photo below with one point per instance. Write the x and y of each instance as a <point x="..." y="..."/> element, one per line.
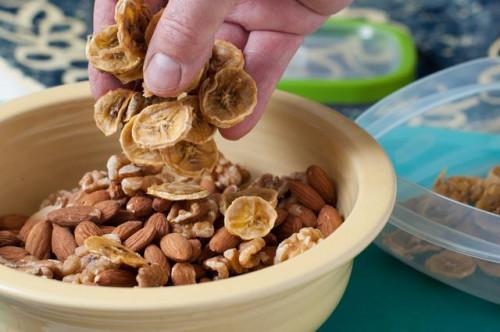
<point x="140" y="226"/>
<point x="170" y="209"/>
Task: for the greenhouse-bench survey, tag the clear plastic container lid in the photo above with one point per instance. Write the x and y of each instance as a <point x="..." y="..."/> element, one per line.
<point x="351" y="62"/>
<point x="345" y="52"/>
<point x="449" y="121"/>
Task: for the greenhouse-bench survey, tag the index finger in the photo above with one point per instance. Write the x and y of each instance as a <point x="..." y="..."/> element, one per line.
<point x="104" y="14"/>
<point x="267" y="54"/>
<point x="104" y="11"/>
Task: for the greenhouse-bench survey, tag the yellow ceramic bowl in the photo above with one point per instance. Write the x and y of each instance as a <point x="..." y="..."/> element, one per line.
<point x="48" y="140"/>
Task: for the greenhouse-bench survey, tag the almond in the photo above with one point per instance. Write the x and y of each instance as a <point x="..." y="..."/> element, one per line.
<point x="34" y="219"/>
<point x="109" y="209"/>
<point x="183" y="274"/>
<point x="306" y="195"/>
<point x="122" y="216"/>
<point x="95" y="197"/>
<point x="223" y="240"/>
<point x="271" y="239"/>
<point x="318" y="179"/>
<point x="282" y="214"/>
<point x="140" y="239"/>
<point x="8" y="238"/>
<point x="196" y="249"/>
<point x="38" y="239"/>
<point x="176" y="247"/>
<point x="106" y="229"/>
<point x="161" y="205"/>
<point x="160" y="223"/>
<point x="152" y="275"/>
<point x="116" y="278"/>
<point x="12" y="221"/>
<point x="73" y="215"/>
<point x="291" y="225"/>
<point x="86" y="229"/>
<point x="266" y="255"/>
<point x="63" y="242"/>
<point x="154" y="255"/>
<point x="12" y="253"/>
<point x="140" y="206"/>
<point x="307" y="216"/>
<point x="205" y="254"/>
<point x="199" y="271"/>
<point x="125" y="230"/>
<point x="329" y="220"/>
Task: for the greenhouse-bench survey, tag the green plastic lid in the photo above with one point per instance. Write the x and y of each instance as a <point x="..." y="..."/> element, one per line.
<point x="351" y="61"/>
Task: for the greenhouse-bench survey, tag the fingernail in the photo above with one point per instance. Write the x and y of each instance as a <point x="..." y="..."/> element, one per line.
<point x="163" y="73"/>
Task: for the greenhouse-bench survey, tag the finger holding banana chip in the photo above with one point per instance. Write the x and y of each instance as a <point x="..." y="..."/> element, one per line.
<point x="177" y="132"/>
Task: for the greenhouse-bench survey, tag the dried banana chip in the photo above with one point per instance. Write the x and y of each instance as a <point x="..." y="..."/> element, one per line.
<point x="270" y="195"/>
<point x="228" y="98"/>
<point x="250" y="217"/>
<point x="110" y="109"/>
<point x="178" y="191"/>
<point x="201" y="131"/>
<point x="114" y="251"/>
<point x="188" y="159"/>
<point x="451" y="265"/>
<point x="132" y="17"/>
<point x="139" y="102"/>
<point x="105" y="53"/>
<point x="136" y="154"/>
<point x="136" y="104"/>
<point x="225" y="55"/>
<point x="161" y="125"/>
<point x="493" y="175"/>
<point x="407" y="245"/>
<point x="491" y="269"/>
<point x="150" y="29"/>
<point x="490" y="199"/>
<point x="130" y="76"/>
<point x="465" y="189"/>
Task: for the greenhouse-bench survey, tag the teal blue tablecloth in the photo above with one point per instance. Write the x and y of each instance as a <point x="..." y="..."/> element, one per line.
<point x="386" y="295"/>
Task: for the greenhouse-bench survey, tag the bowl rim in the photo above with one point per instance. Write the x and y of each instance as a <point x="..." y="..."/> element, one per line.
<point x="375" y="200"/>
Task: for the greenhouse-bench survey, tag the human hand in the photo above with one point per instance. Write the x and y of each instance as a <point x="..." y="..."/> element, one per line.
<point x="268" y="31"/>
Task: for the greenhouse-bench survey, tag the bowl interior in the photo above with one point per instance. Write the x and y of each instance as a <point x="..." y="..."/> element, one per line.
<point x="49" y="140"/>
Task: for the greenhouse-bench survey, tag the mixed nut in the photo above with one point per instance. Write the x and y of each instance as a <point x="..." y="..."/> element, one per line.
<point x="170" y="209"/>
<point x="482" y="193"/>
<point x="143" y="226"/>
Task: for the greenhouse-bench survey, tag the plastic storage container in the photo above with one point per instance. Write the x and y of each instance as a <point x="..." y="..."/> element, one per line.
<point x="449" y="121"/>
<point x="351" y="63"/>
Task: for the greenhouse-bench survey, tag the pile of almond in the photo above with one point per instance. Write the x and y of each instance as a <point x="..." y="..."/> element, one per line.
<point x="142" y="226"/>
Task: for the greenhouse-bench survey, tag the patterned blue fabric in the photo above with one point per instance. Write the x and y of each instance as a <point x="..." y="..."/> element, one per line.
<point x="46" y="39"/>
<point x="446" y="32"/>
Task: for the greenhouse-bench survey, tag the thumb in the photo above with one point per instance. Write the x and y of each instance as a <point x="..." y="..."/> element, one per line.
<point x="181" y="43"/>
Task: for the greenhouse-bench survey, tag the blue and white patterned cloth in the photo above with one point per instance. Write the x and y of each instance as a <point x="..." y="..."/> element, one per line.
<point x="42" y="44"/>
